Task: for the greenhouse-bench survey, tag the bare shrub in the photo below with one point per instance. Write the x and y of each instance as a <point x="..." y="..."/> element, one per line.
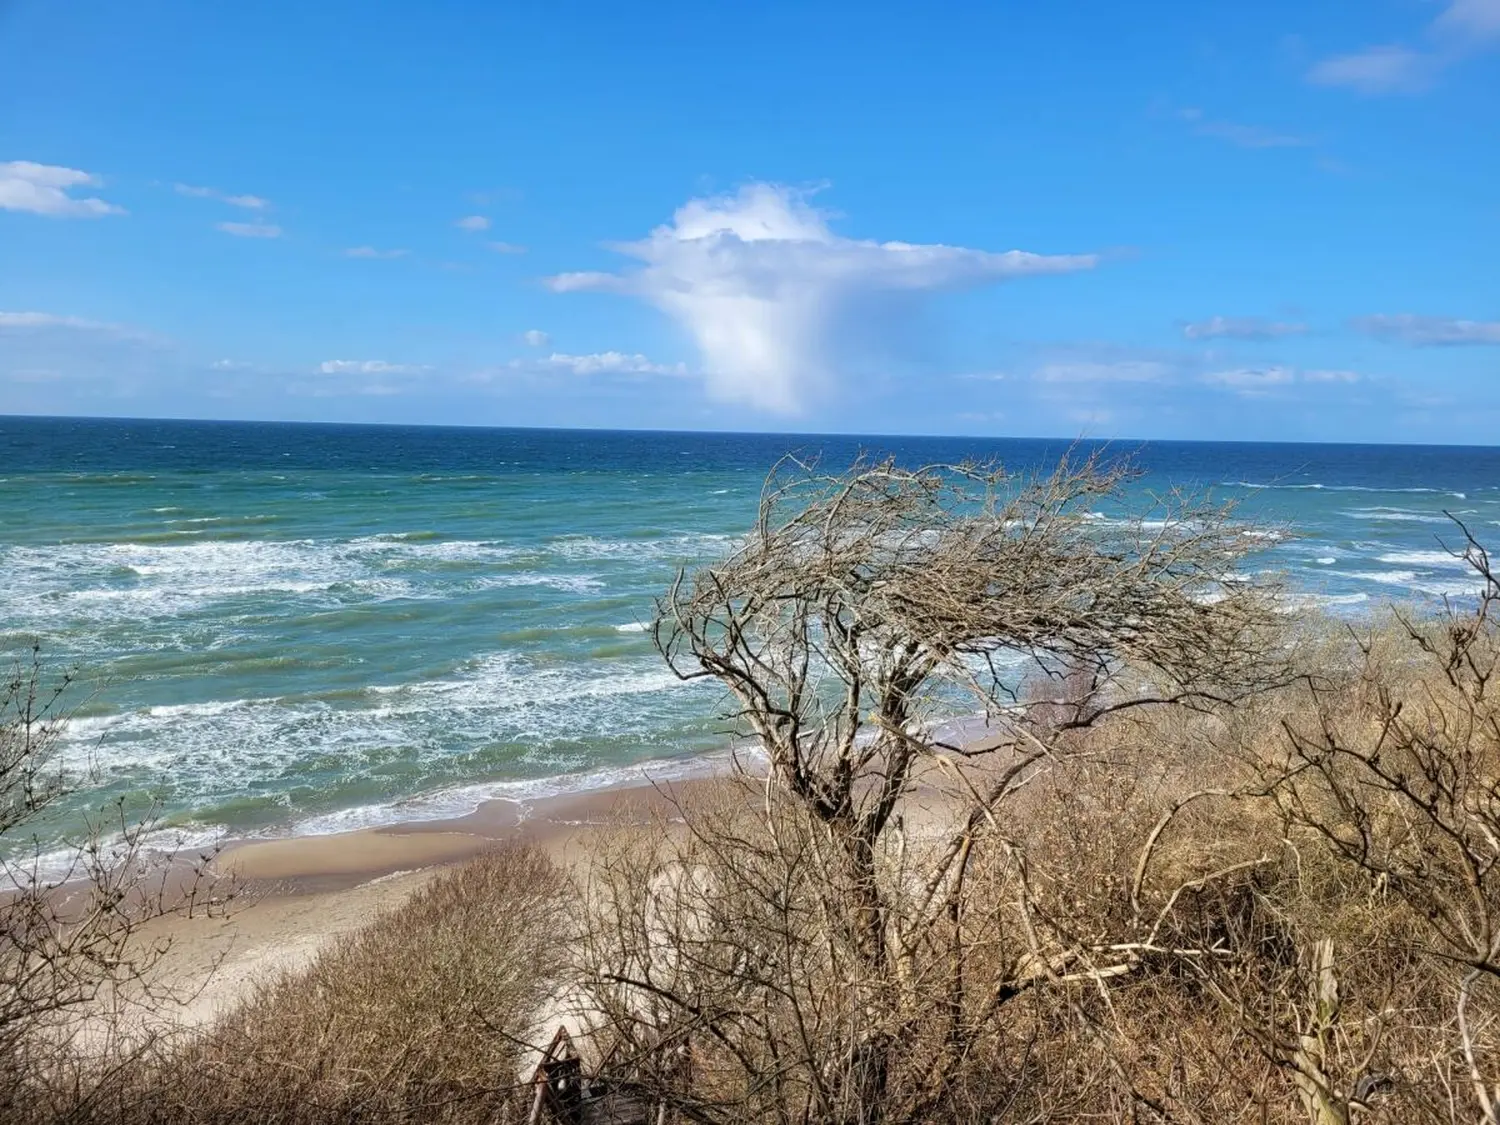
<point x="1395" y="775"/>
<point x="68" y="928"/>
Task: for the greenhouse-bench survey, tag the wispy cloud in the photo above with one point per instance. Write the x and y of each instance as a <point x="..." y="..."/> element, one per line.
<point x="1244" y="136"/>
<point x="1241" y="328"/>
<point x="59" y="363"/>
<point x="372" y="252"/>
<point x="249" y="202"/>
<point x="49" y="320"/>
<point x="45" y="189"/>
<point x="1464" y="28"/>
<point x="535" y="338"/>
<point x="250" y="230"/>
<point x="473" y="223"/>
<point x="45" y="323"/>
<point x="1251" y="378"/>
<point x="1429" y="331"/>
<point x="1376" y="70"/>
<point x="1117" y="371"/>
<point x="629" y="366"/>
<point x="768" y="291"/>
<point x="506" y="248"/>
<point x="371" y="367"/>
<point x="604" y="363"/>
<point x="1258" y="381"/>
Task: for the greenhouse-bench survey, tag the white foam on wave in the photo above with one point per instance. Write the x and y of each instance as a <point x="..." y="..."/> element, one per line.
<point x="1326" y="560"/>
<point x="1331" y="600"/>
<point x="1422" y="558"/>
<point x="1385" y="577"/>
<point x="632" y="627"/>
<point x="217" y="750"/>
<point x="1320" y="487"/>
<point x="1397" y="515"/>
<point x="448" y="804"/>
<point x="76" y="586"/>
<point x="154" y="849"/>
<point x="568" y="583"/>
<point x="1452" y="588"/>
<point x="587" y="547"/>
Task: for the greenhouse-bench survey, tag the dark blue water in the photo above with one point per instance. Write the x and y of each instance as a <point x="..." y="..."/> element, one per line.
<point x="313" y="626"/>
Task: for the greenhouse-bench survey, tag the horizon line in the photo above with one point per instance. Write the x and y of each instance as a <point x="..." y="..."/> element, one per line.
<point x="927" y="436"/>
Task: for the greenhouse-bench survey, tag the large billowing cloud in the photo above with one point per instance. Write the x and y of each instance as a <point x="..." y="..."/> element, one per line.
<point x="768" y="291"/>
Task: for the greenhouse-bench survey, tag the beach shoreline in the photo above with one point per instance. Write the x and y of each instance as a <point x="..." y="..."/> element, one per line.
<point x="295" y="896"/>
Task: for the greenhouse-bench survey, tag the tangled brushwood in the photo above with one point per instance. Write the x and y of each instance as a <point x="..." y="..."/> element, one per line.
<point x="1202" y="861"/>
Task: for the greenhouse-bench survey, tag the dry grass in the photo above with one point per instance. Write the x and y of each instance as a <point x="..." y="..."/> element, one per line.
<point x="421" y="1017"/>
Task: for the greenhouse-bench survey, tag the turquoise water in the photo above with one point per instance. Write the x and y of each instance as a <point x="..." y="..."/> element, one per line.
<point x="310" y="628"/>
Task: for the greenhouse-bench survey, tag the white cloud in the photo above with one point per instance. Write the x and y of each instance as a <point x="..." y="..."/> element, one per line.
<point x="1245" y="136"/>
<point x="1120" y="371"/>
<point x="43" y="189"/>
<point x="473" y="223"/>
<point x="1240" y="328"/>
<point x="604" y="363"/>
<point x="1256" y="381"/>
<point x="249" y="202"/>
<point x="370" y="367"/>
<point x="40" y="323"/>
<point x="250" y="230"/>
<point x="49" y="320"/>
<point x="1251" y="378"/>
<point x="1469" y="20"/>
<point x="767" y="291"/>
<point x="506" y="248"/>
<point x="1462" y="29"/>
<point x="1430" y="331"/>
<point x="1376" y="70"/>
<point x="536" y="338"/>
<point x="371" y="252"/>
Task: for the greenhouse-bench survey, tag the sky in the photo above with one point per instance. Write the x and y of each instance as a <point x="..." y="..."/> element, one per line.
<point x="1273" y="221"/>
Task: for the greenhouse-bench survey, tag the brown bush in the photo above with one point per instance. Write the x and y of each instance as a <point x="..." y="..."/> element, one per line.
<point x="1151" y="928"/>
<point x="422" y="1016"/>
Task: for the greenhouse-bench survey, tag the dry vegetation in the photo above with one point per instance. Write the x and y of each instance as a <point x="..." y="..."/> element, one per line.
<point x="69" y="922"/>
<point x="1203" y="870"/>
<point x="423" y="1016"/>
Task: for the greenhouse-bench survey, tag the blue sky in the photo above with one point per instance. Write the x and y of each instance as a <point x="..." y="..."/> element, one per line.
<point x="1271" y="221"/>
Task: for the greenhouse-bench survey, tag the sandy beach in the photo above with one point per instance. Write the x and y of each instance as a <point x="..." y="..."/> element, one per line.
<point x="297" y="894"/>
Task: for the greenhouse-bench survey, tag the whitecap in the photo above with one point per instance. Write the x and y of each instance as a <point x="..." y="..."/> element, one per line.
<point x="1422" y="558"/>
<point x="1386" y="577"/>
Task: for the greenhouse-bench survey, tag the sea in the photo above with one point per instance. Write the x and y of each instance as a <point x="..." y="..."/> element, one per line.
<point x="291" y="628"/>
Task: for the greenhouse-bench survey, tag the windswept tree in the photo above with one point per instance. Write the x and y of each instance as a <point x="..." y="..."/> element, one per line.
<point x="862" y="607"/>
<point x="864" y="604"/>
